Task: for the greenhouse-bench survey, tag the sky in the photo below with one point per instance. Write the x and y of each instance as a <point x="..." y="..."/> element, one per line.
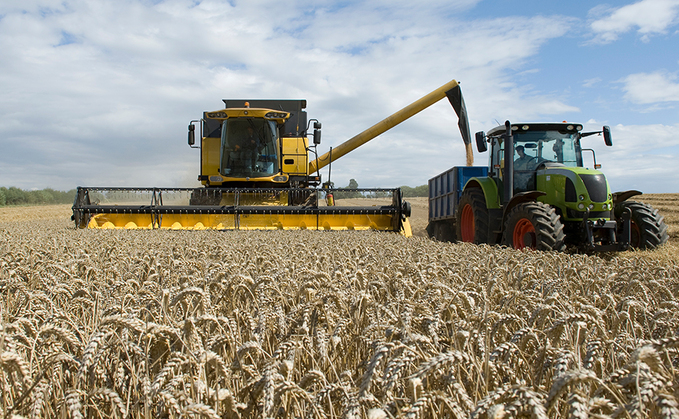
<point x="100" y="93"/>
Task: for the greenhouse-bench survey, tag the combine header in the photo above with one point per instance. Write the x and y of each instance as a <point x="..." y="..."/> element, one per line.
<point x="257" y="175"/>
<point x="239" y="209"/>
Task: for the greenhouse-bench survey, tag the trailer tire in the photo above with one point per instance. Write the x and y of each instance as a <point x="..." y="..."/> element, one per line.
<point x="443" y="231"/>
<point x="648" y="226"/>
<point x="534" y="225"/>
<point x="471" y="224"/>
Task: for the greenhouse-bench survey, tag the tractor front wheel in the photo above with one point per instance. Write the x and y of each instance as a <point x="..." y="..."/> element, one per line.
<point x="534" y="225"/>
<point x="648" y="226"/>
<point x="472" y="217"/>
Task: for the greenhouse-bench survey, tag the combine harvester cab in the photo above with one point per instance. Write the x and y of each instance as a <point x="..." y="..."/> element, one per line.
<point x="257" y="175"/>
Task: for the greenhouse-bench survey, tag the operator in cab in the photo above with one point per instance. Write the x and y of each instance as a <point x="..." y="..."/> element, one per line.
<point x="521" y="163"/>
<point x="246" y="149"/>
<point x="523" y="168"/>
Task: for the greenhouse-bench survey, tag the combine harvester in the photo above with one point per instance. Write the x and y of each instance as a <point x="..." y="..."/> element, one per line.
<point x="258" y="175"/>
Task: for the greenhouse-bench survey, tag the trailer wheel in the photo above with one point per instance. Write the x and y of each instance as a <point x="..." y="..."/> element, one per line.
<point x="534" y="225"/>
<point x="472" y="217"/>
<point x="648" y="226"/>
<point x="443" y="231"/>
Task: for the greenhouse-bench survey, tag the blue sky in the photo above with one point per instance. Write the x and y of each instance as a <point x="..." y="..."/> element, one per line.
<point x="99" y="93"/>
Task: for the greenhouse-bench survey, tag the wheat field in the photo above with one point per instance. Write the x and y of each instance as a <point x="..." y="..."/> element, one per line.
<point x="170" y="324"/>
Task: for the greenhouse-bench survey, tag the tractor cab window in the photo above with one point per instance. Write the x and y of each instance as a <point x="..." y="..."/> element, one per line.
<point x="248" y="148"/>
<point x="534" y="149"/>
<point x="548" y="147"/>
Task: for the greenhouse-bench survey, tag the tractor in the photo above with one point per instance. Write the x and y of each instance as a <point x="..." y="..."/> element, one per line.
<point x="537" y="193"/>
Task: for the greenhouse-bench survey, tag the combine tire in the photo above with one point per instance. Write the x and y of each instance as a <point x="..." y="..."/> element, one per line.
<point x="472" y="217"/>
<point x="648" y="226"/>
<point x="534" y="225"/>
<point x="443" y="231"/>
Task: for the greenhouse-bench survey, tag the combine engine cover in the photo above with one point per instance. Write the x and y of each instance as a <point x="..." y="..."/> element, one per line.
<point x="241" y="209"/>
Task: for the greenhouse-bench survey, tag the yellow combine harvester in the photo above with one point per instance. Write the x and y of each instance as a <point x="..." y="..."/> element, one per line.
<point x="257" y="174"/>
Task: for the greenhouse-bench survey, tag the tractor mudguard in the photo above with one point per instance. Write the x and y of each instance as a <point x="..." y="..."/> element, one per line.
<point x="489" y="188"/>
<point x="624" y="195"/>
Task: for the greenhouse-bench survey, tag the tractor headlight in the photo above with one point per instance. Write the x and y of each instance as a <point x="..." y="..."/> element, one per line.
<point x="581" y="206"/>
<point x="280" y="178"/>
<point x="590" y="206"/>
<point x="582" y="197"/>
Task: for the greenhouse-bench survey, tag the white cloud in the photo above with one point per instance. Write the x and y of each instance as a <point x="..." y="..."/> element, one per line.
<point x="647" y="16"/>
<point x="591" y="82"/>
<point x="101" y="92"/>
<point x="646" y="88"/>
<point x="642" y="156"/>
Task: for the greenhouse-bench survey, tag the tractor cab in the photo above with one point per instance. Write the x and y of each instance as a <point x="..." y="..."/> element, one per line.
<point x="535" y="147"/>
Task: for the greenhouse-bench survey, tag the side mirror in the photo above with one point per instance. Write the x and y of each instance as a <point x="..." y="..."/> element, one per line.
<point x="481" y="144"/>
<point x="607" y="136"/>
<point x="317" y="133"/>
<point x="192" y="134"/>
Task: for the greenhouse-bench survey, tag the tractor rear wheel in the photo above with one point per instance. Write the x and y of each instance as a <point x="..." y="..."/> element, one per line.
<point x="648" y="226"/>
<point x="534" y="225"/>
<point x="472" y="217"/>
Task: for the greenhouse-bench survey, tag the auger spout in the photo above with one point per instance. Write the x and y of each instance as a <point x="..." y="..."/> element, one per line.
<point x="450" y="90"/>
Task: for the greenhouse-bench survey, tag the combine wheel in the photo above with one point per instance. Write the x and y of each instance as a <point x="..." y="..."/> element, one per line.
<point x="648" y="226"/>
<point x="534" y="225"/>
<point x="472" y="217"/>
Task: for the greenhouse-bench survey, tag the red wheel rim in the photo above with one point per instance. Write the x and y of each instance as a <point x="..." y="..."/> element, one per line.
<point x="524" y="234"/>
<point x="467" y="221"/>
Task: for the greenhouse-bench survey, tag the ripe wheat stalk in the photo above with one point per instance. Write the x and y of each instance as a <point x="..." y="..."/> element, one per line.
<point x="149" y="324"/>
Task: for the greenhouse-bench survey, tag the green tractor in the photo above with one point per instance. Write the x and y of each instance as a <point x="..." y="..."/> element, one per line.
<point x="536" y="193"/>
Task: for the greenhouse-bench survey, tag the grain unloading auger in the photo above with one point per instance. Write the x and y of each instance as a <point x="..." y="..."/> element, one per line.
<point x="257" y="175"/>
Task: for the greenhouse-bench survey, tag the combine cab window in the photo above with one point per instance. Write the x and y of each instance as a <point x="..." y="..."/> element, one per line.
<point x="248" y="148"/>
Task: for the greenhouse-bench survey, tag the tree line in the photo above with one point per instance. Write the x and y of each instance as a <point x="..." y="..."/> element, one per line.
<point x="406" y="191"/>
<point x="16" y="196"/>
